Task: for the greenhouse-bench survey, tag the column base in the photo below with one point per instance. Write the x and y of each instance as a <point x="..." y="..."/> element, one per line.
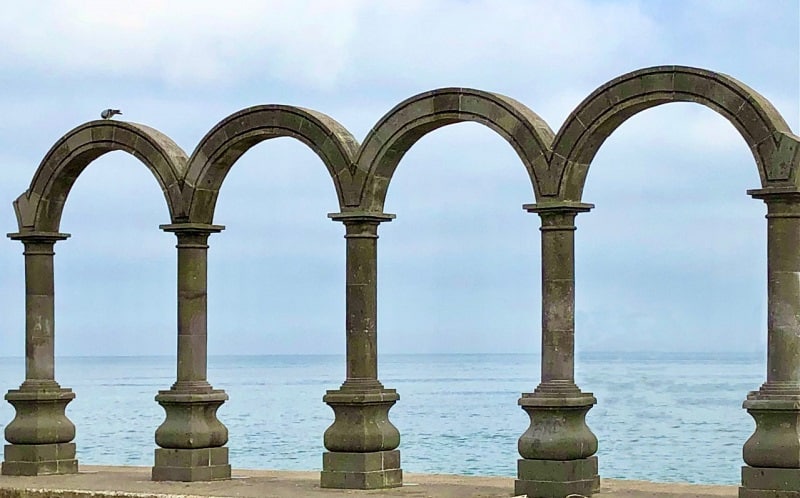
<point x="557" y="478"/>
<point x="374" y="470"/>
<point x="189" y="465"/>
<point x="39" y="459"/>
<point x="762" y="482"/>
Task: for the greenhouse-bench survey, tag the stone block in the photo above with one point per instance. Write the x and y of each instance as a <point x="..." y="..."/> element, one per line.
<point x="553" y="489"/>
<point x="379" y="479"/>
<point x="373" y="470"/>
<point x="361" y="462"/>
<point x="772" y="480"/>
<point x="189" y="465"/>
<point x="39" y="459"/>
<point x="557" y="470"/>
<point x="557" y="478"/>
<point x="765" y="493"/>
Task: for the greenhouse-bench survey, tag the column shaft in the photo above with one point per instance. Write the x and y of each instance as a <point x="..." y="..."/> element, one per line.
<point x="192" y="309"/>
<point x="783" y="293"/>
<point x="558" y="296"/>
<point x="39" y="311"/>
<point x="361" y="300"/>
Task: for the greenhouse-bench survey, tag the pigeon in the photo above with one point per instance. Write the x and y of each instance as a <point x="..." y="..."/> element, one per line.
<point x="109" y="113"/>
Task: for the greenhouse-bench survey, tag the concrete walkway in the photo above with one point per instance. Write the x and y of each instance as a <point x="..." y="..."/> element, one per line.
<point x="133" y="482"/>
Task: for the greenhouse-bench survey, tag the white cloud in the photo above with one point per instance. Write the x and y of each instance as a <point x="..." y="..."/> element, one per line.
<point x="182" y="66"/>
<point x="318" y="43"/>
<point x="181" y="43"/>
<point x="503" y="43"/>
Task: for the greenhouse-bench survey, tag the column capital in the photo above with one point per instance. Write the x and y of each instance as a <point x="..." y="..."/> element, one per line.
<point x="38" y="237"/>
<point x="784" y="193"/>
<point x="193" y="228"/>
<point x="361" y="217"/>
<point x="558" y="207"/>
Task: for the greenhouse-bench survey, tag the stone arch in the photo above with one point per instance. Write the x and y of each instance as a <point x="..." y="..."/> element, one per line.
<point x="413" y="118"/>
<point x="774" y="147"/>
<point x="39" y="208"/>
<point x="233" y="136"/>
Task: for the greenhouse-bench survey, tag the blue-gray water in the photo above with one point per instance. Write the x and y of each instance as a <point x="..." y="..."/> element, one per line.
<point x="660" y="417"/>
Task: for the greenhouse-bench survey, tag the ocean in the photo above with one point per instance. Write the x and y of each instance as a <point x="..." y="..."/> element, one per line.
<point x="659" y="417"/>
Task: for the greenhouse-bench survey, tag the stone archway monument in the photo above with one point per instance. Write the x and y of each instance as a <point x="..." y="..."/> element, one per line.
<point x="558" y="449"/>
<point x="41" y="434"/>
<point x="362" y="442"/>
<point x="772" y="453"/>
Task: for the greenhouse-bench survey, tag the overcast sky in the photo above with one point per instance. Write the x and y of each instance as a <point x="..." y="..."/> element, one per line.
<point x="672" y="259"/>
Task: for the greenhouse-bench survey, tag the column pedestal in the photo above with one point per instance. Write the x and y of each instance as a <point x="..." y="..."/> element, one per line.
<point x="558" y="448"/>
<point x="773" y="451"/>
<point x="362" y="441"/>
<point x="373" y="470"/>
<point x="191" y="439"/>
<point x="547" y="478"/>
<point x="40" y="434"/>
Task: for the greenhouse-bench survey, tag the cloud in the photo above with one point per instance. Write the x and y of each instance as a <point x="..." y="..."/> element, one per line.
<point x="318" y="44"/>
<point x="181" y="43"/>
<point x="500" y="46"/>
<point x="459" y="267"/>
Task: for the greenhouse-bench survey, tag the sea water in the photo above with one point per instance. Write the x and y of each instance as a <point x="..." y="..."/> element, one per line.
<point x="659" y="417"/>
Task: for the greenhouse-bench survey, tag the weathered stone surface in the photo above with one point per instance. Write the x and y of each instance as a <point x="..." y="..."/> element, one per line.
<point x="774" y="479"/>
<point x="612" y="103"/>
<point x="39" y="459"/>
<point x="189" y="465"/>
<point x="219" y="150"/>
<point x="373" y="470"/>
<point x="551" y="479"/>
<point x="398" y="130"/>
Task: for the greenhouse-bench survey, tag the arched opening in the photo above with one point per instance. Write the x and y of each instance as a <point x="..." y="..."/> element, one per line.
<point x="459" y="298"/>
<point x="115" y="309"/>
<point x="275" y="305"/>
<point x="672" y="259"/>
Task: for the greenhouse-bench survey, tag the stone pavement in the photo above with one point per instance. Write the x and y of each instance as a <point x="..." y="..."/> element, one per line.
<point x="133" y="482"/>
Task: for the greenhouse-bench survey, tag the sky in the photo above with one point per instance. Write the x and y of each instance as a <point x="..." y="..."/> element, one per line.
<point x="673" y="257"/>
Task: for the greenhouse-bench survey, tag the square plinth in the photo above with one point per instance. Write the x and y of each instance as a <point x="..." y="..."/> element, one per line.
<point x="200" y="464"/>
<point x="374" y="470"/>
<point x="39" y="459"/>
<point x="557" y="478"/>
<point x="759" y="482"/>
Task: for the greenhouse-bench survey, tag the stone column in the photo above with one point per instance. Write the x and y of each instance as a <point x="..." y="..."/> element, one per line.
<point x="40" y="434"/>
<point x="772" y="453"/>
<point x="558" y="448"/>
<point x="362" y="442"/>
<point x="192" y="439"/>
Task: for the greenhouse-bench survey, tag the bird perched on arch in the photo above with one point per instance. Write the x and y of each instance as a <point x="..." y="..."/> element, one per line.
<point x="109" y="113"/>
